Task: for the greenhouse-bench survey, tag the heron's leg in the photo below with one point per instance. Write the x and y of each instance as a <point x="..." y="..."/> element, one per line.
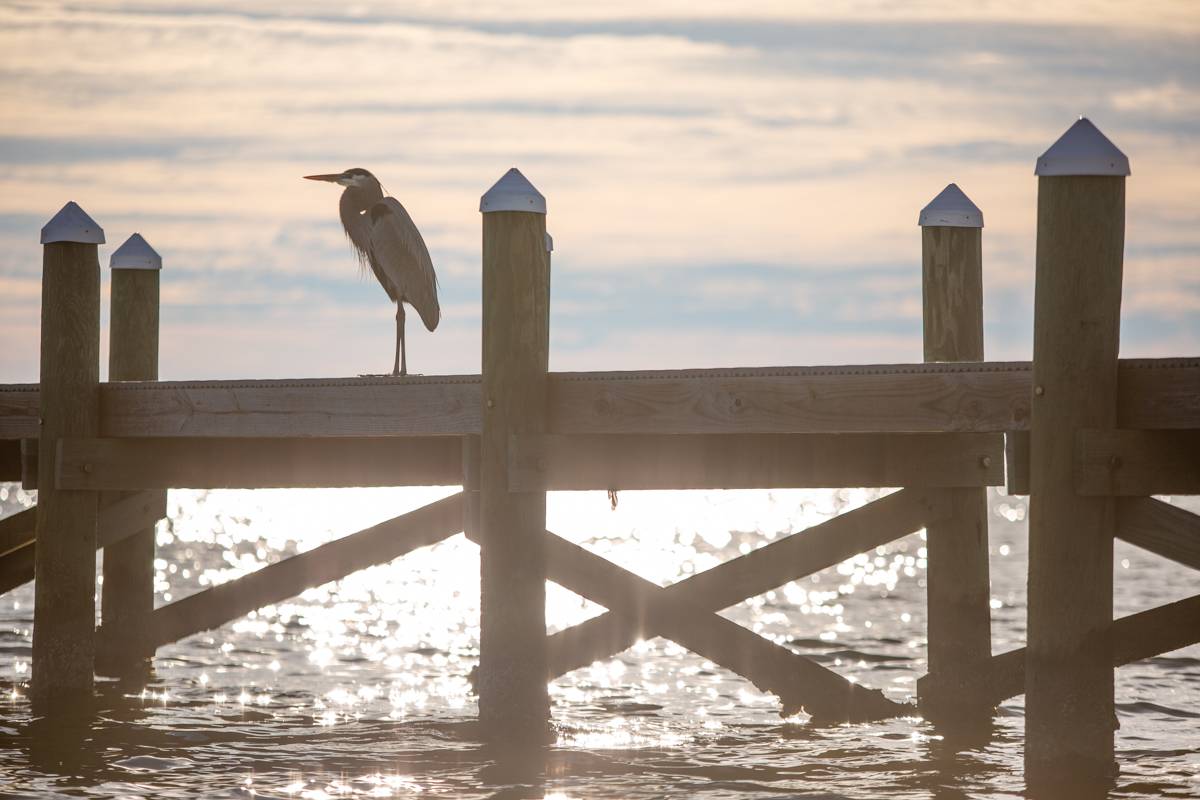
<point x="400" y="366"/>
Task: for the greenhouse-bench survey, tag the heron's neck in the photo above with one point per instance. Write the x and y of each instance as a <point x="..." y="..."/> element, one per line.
<point x="357" y="199"/>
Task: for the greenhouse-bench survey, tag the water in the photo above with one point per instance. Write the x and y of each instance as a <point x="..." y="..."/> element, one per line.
<point x="359" y="688"/>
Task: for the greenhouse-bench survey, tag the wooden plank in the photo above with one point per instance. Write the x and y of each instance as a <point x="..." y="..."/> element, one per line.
<point x="765" y="461"/>
<point x="791" y="558"/>
<point x="120" y="516"/>
<point x="362" y="407"/>
<point x="20" y="409"/>
<point x="1139" y="636"/>
<point x="1016" y="463"/>
<point x="127" y="590"/>
<point x="1161" y="528"/>
<point x="906" y="398"/>
<point x="10" y="460"/>
<point x="800" y="683"/>
<point x="1132" y="463"/>
<point x="64" y="610"/>
<point x="277" y="582"/>
<point x="957" y="579"/>
<point x="899" y="398"/>
<point x="1158" y="393"/>
<point x="513" y="700"/>
<point x="17" y="530"/>
<point x="117" y="464"/>
<point x="29" y="464"/>
<point x="1076" y="338"/>
<point x="16" y="568"/>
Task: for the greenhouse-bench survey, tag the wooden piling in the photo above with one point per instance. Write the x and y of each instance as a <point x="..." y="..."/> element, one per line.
<point x="1070" y="718"/>
<point x="65" y="566"/>
<point x="513" y="700"/>
<point x="959" y="614"/>
<point x="127" y="593"/>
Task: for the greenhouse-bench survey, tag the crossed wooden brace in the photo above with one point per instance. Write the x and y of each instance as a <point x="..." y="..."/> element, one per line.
<point x="685" y="611"/>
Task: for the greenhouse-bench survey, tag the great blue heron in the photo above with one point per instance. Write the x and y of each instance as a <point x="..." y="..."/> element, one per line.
<point x="385" y="238"/>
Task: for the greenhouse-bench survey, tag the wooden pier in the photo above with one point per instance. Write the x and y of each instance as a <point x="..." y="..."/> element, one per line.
<point x="1088" y="436"/>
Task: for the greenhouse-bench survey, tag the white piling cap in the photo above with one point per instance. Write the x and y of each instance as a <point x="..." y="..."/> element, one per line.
<point x="72" y="224"/>
<point x="513" y="192"/>
<point x="1082" y="150"/>
<point x="136" y="253"/>
<point x="951" y="209"/>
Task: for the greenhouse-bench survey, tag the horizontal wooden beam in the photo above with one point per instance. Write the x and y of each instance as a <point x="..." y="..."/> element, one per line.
<point x="1135" y="463"/>
<point x="1135" y="637"/>
<point x="1161" y="528"/>
<point x="357" y="407"/>
<point x="105" y="464"/>
<point x="986" y="397"/>
<point x="20" y="410"/>
<point x="284" y="579"/>
<point x="754" y="461"/>
<point x="769" y="567"/>
<point x="120" y="515"/>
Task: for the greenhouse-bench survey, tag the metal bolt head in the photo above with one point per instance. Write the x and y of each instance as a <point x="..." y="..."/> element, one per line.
<point x="1115" y="462"/>
<point x="491" y="403"/>
<point x="87" y="468"/>
<point x="985" y="461"/>
<point x="1039" y="390"/>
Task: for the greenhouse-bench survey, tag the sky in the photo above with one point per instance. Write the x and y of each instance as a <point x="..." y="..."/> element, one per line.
<point x="723" y="190"/>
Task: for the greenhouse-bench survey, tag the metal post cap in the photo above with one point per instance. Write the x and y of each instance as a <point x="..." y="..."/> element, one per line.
<point x="951" y="209"/>
<point x="136" y="253"/>
<point x="513" y="192"/>
<point x="72" y="224"/>
<point x="1082" y="150"/>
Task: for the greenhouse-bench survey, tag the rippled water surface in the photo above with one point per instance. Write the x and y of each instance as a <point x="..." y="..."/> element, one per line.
<point x="360" y="688"/>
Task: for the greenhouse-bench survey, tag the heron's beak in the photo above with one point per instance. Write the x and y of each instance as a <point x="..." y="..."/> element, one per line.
<point x="331" y="178"/>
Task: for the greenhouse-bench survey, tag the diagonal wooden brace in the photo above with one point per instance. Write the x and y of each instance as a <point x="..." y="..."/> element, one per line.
<point x="762" y="570"/>
<point x="800" y="683"/>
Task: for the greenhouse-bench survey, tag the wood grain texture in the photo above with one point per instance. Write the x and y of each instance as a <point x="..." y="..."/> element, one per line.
<point x="952" y="293"/>
<point x="127" y="591"/>
<point x="800" y="684"/>
<point x="1135" y="637"/>
<point x="1077" y="308"/>
<point x="791" y="558"/>
<point x="29" y="464"/>
<point x="20" y="409"/>
<point x="899" y="398"/>
<point x="513" y="701"/>
<point x="957" y="578"/>
<point x="120" y="464"/>
<point x="17" y="530"/>
<point x="119" y="517"/>
<point x="10" y="459"/>
<point x="1135" y="463"/>
<point x="277" y="582"/>
<point x="65" y="567"/>
<point x="753" y="461"/>
<point x="362" y="407"/>
<point x="1163" y="529"/>
<point x="1016" y="463"/>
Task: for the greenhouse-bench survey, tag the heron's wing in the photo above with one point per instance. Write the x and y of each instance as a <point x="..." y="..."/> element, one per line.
<point x="400" y="253"/>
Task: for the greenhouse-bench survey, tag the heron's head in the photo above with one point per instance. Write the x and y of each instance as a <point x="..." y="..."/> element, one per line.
<point x="356" y="178"/>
